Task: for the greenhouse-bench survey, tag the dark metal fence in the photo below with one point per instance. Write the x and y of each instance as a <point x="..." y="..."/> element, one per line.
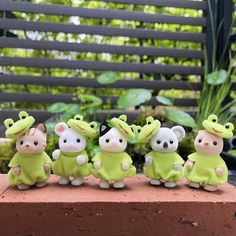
<point x="193" y="58"/>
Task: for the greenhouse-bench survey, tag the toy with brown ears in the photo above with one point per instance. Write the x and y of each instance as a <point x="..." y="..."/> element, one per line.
<point x="30" y="165"/>
<point x="205" y="167"/>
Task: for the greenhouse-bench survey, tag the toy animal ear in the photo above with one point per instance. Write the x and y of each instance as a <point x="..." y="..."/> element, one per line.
<point x="104" y="128"/>
<point x="60" y="128"/>
<point x="179" y="132"/>
<point x="42" y="128"/>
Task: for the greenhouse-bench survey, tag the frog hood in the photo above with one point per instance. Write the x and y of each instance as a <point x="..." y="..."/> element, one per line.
<point x="122" y="126"/>
<point x="222" y="131"/>
<point x="83" y="127"/>
<point x="20" y="127"/>
<point x="149" y="130"/>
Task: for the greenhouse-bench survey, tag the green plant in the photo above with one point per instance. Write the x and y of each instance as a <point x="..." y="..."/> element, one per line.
<point x="217" y="83"/>
<point x="134" y="97"/>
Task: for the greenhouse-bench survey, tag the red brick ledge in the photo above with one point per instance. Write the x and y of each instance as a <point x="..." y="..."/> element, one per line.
<point x="139" y="209"/>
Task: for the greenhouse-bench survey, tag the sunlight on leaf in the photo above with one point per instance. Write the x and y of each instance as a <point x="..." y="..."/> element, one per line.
<point x="164" y="100"/>
<point x="107" y="78"/>
<point x="134" y="97"/>
<point x="217" y="77"/>
<point x="181" y="118"/>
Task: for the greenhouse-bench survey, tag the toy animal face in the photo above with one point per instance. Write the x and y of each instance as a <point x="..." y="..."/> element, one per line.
<point x="208" y="143"/>
<point x="166" y="140"/>
<point x="32" y="142"/>
<point x="111" y="139"/>
<point x="70" y="140"/>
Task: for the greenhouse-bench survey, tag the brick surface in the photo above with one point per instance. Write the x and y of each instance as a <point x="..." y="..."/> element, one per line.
<point x="139" y="209"/>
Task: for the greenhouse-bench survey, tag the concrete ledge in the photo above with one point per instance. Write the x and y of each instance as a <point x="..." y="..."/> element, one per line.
<point x="139" y="209"/>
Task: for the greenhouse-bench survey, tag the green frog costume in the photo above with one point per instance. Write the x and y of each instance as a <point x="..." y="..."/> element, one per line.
<point x="204" y="169"/>
<point x="32" y="168"/>
<point x="162" y="166"/>
<point x="111" y="166"/>
<point x="66" y="165"/>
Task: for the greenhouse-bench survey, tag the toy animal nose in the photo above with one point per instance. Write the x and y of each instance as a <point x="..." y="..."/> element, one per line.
<point x="206" y="143"/>
<point x="165" y="145"/>
<point x="27" y="145"/>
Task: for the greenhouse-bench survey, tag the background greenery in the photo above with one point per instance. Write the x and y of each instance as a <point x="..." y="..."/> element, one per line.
<point x="168" y="116"/>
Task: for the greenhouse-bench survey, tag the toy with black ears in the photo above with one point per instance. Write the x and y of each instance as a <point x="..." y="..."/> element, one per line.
<point x="113" y="164"/>
<point x="206" y="167"/>
<point x="30" y="165"/>
<point x="162" y="164"/>
<point x="71" y="159"/>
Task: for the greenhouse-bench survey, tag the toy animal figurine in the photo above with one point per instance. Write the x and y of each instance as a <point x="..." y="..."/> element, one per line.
<point x="71" y="158"/>
<point x="113" y="164"/>
<point x="162" y="164"/>
<point x="206" y="167"/>
<point x="30" y="165"/>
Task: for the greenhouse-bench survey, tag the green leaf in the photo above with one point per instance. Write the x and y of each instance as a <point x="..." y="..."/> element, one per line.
<point x="134" y="97"/>
<point x="107" y="78"/>
<point x="57" y="107"/>
<point x="217" y="77"/>
<point x="181" y="118"/>
<point x="72" y="109"/>
<point x="164" y="100"/>
<point x="91" y="101"/>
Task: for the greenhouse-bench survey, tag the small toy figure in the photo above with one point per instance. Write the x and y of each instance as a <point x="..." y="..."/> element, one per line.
<point x="71" y="158"/>
<point x="113" y="164"/>
<point x="30" y="165"/>
<point x="206" y="167"/>
<point x="162" y="164"/>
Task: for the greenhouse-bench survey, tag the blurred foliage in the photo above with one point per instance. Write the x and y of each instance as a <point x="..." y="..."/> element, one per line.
<point x="88" y="101"/>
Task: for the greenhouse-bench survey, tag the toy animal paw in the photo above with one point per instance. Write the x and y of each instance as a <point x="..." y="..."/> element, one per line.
<point x="23" y="187"/>
<point x="125" y="165"/>
<point x="16" y="170"/>
<point x="104" y="184"/>
<point x="119" y="184"/>
<point x="80" y="159"/>
<point x="77" y="181"/>
<point x="64" y="180"/>
<point x="170" y="184"/>
<point x="56" y="154"/>
<point x="219" y="171"/>
<point x="148" y="161"/>
<point x="47" y="168"/>
<point x="189" y="164"/>
<point x="177" y="167"/>
<point x="97" y="165"/>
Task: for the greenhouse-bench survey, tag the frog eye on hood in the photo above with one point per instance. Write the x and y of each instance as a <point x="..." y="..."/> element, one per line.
<point x="212" y="118"/>
<point x="8" y="123"/>
<point x="135" y="128"/>
<point x="229" y="126"/>
<point x="23" y="115"/>
<point x="123" y="118"/>
<point x="93" y="125"/>
<point x="149" y="120"/>
<point x="78" y="117"/>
